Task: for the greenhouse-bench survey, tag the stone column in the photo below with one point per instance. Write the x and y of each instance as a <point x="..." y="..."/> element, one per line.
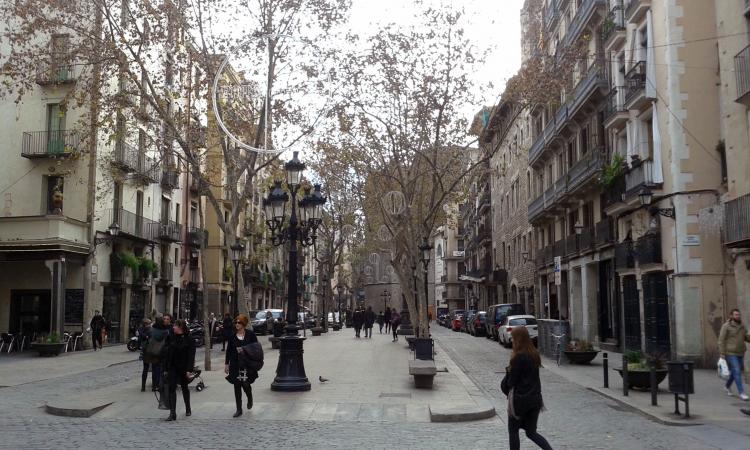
<point x="57" y="316"/>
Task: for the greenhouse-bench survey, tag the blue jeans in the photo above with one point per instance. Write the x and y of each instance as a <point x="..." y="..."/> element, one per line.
<point x="735" y="372"/>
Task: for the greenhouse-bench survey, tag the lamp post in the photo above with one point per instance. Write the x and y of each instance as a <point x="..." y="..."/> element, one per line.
<point x="325" y="287"/>
<point x="290" y="371"/>
<point x="237" y="251"/>
<point x="426" y="248"/>
<point x="340" y="291"/>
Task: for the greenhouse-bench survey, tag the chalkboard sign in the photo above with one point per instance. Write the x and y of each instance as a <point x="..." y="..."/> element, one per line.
<point x="73" y="306"/>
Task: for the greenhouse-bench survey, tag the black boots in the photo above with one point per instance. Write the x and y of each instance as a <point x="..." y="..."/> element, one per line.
<point x="186" y="398"/>
<point x="249" y="393"/>
<point x="238" y="388"/>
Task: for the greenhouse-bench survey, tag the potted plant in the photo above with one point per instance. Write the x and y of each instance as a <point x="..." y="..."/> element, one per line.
<point x="148" y="267"/>
<point x="612" y="171"/>
<point x="49" y="345"/>
<point x="580" y="351"/>
<point x="639" y="368"/>
<point x="130" y="261"/>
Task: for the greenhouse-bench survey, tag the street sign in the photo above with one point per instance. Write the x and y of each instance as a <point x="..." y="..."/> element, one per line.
<point x="558" y="270"/>
<point x="691" y="240"/>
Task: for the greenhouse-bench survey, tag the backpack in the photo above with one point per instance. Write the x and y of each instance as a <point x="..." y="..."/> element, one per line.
<point x="154" y="348"/>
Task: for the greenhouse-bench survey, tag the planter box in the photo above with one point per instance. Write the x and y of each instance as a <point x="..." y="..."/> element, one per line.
<point x="581" y="357"/>
<point x="316" y="331"/>
<point x="48" y="349"/>
<point x="639" y="379"/>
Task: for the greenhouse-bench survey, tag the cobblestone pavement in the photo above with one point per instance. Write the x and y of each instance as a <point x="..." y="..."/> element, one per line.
<point x="577" y="418"/>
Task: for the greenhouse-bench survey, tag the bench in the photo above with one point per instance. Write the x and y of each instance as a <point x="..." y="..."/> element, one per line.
<point x="424" y="372"/>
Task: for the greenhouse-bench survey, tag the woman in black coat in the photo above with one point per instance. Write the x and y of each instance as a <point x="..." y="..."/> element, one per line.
<point x="232" y="366"/>
<point x="524" y="390"/>
<point x="180" y="362"/>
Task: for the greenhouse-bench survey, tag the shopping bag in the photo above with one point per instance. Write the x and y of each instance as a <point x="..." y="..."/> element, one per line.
<point x="722" y="369"/>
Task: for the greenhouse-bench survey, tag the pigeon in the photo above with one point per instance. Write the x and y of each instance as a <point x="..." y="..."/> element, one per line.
<point x="322" y="380"/>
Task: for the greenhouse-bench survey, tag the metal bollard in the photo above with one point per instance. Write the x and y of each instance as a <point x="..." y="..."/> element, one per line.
<point x="652" y="382"/>
<point x="605" y="367"/>
<point x="624" y="376"/>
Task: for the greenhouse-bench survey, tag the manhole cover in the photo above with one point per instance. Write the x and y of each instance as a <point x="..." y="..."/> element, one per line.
<point x="395" y="395"/>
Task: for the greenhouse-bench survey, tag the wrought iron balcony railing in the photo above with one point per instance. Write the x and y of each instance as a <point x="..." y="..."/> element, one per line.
<point x="737" y="222"/>
<point x="50" y="144"/>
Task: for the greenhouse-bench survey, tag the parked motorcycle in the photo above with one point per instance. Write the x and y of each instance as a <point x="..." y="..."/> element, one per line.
<point x="134" y="344"/>
<point x="196" y="332"/>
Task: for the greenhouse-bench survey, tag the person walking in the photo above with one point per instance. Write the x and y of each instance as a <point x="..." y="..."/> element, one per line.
<point x="155" y="350"/>
<point x="369" y="322"/>
<point x="237" y="374"/>
<point x="380" y="321"/>
<point x="395" y="322"/>
<point x="226" y="331"/>
<point x="144" y="334"/>
<point x="97" y="328"/>
<point x="732" y="339"/>
<point x="180" y="362"/>
<point x="387" y="320"/>
<point x="358" y="320"/>
<point x="524" y="390"/>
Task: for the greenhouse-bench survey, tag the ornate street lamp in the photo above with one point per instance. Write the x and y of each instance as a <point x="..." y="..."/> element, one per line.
<point x="238" y="250"/>
<point x="290" y="372"/>
<point x="426" y="249"/>
<point x="646" y="197"/>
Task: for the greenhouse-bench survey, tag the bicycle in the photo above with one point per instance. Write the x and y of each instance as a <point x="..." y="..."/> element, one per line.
<point x="558" y="346"/>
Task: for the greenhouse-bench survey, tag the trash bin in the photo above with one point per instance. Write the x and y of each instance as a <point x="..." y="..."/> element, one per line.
<point x="680" y="377"/>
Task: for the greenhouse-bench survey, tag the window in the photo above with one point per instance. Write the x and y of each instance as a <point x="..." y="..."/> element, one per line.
<point x="164" y="210"/>
<point x="720" y="147"/>
<point x="54" y="195"/>
<point x="571" y="154"/>
<point x="194" y="214"/>
<point x="528" y="185"/>
<point x="584" y="141"/>
<point x="177" y="213"/>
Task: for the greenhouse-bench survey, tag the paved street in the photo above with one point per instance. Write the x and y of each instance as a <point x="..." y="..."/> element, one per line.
<point x="576" y="417"/>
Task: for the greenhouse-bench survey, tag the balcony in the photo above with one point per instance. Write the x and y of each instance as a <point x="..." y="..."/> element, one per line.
<point x="615" y="113"/>
<point x="635" y="81"/>
<point x="613" y="30"/>
<point x="640" y="175"/>
<point x="170" y="178"/>
<point x="540" y="261"/>
<point x="613" y="194"/>
<point x="47" y="232"/>
<point x="50" y="144"/>
<point x="484" y="201"/>
<point x="559" y="248"/>
<point x="648" y="249"/>
<point x="166" y="272"/>
<point x="742" y="75"/>
<point x="747" y="8"/>
<point x="167" y="230"/>
<point x="536" y="208"/>
<point x="586" y="239"/>
<point x="551" y="15"/>
<point x="737" y="222"/>
<point x="197" y="237"/>
<point x="636" y="10"/>
<point x="586" y="170"/>
<point x="588" y="11"/>
<point x="605" y="232"/>
<point x="561" y="188"/>
<point x="58" y="71"/>
<point x="571" y="245"/>
<point x="549" y="254"/>
<point x="594" y="81"/>
<point x="131" y="224"/>
<point x="196" y="184"/>
<point x="125" y="157"/>
<point x="624" y="255"/>
<point x="195" y="275"/>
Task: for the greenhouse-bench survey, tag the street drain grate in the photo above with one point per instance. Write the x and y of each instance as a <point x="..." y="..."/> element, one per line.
<point x="395" y="395"/>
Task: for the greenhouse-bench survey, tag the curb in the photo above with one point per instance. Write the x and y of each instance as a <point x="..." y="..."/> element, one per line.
<point x="461" y="414"/>
<point x="647" y="414"/>
<point x="74" y="412"/>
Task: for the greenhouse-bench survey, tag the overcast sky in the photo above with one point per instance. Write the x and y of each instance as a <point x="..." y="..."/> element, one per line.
<point x="493" y="24"/>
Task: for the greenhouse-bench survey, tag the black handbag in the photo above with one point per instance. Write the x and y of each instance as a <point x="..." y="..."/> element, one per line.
<point x="250" y="356"/>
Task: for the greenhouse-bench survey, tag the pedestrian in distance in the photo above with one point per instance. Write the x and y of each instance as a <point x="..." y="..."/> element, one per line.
<point x="180" y="362"/>
<point x="524" y="390"/>
<point x="144" y="335"/>
<point x="395" y="322"/>
<point x="369" y="322"/>
<point x="387" y="320"/>
<point x="227" y="330"/>
<point x="380" y="321"/>
<point x="240" y="372"/>
<point x="97" y="329"/>
<point x="358" y="320"/>
<point x="732" y="347"/>
<point x="212" y="325"/>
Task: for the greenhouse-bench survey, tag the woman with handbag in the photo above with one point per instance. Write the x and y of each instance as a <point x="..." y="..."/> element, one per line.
<point x="237" y="370"/>
<point x="524" y="390"/>
<point x="180" y="363"/>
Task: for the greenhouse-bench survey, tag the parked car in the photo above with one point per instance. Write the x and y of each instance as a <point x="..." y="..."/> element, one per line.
<point x="476" y="325"/>
<point x="497" y="313"/>
<point x="259" y="322"/>
<point x="468" y="317"/>
<point x="441" y="319"/>
<point x="512" y="322"/>
<point x="456" y="317"/>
